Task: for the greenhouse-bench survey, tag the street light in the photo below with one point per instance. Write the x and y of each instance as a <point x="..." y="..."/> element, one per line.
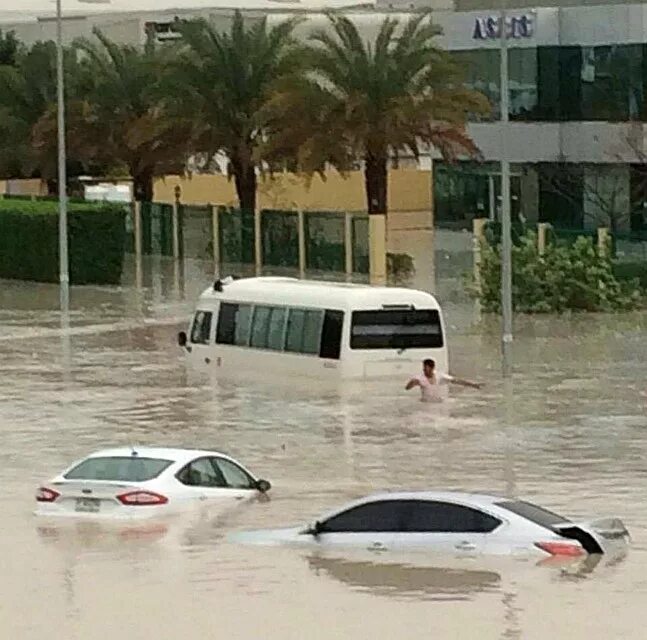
<point x="506" y="222"/>
<point x="63" y="260"/>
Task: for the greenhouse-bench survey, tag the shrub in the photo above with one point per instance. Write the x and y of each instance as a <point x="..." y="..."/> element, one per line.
<point x="29" y="241"/>
<point x="631" y="271"/>
<point x="399" y="266"/>
<point x="566" y="278"/>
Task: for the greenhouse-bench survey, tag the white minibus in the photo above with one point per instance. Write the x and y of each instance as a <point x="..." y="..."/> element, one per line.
<point x="286" y="326"/>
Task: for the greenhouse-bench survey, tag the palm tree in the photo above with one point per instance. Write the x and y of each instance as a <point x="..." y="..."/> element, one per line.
<point x="27" y="87"/>
<point x="372" y="101"/>
<point x="118" y="116"/>
<point x="228" y="80"/>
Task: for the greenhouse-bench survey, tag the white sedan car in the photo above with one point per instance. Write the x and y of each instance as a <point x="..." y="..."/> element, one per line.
<point x="144" y="482"/>
<point x="451" y="522"/>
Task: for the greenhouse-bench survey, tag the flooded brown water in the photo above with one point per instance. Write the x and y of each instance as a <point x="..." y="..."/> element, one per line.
<point x="571" y="434"/>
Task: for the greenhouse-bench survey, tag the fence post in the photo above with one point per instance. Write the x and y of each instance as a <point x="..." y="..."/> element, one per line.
<point x="603" y="241"/>
<point x="478" y="230"/>
<point x="348" y="243"/>
<point x="542" y="229"/>
<point x="176" y="223"/>
<point x="137" y="227"/>
<point x="258" y="247"/>
<point x="215" y="238"/>
<point x="302" y="243"/>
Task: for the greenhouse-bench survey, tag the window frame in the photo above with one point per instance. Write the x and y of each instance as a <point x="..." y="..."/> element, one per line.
<point x="440" y="335"/>
<point x="216" y="460"/>
<point x="321" y="529"/>
<point x="67" y="472"/>
<point x="413" y="504"/>
<point x="205" y="339"/>
<point x="215" y="469"/>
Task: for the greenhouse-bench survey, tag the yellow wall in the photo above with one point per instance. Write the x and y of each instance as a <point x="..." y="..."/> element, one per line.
<point x="409" y="190"/>
<point x="27" y="187"/>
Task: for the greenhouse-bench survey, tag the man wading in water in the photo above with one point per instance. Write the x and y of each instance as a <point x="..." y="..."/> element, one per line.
<point x="434" y="384"/>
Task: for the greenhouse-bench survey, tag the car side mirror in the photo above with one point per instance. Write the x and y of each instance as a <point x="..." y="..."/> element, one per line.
<point x="263" y="486"/>
<point x="182" y="339"/>
<point x="315" y="529"/>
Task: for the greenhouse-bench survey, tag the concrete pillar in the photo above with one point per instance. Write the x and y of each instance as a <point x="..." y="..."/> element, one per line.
<point x="348" y="244"/>
<point x="302" y="243"/>
<point x="478" y="230"/>
<point x="215" y="239"/>
<point x="137" y="225"/>
<point x="258" y="246"/>
<point x="377" y="248"/>
<point x="542" y="229"/>
<point x="604" y="240"/>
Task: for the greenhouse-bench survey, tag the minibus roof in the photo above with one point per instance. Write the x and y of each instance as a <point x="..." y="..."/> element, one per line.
<point x="318" y="294"/>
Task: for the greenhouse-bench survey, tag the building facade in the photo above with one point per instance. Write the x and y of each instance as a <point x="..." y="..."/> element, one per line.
<point x="577" y="85"/>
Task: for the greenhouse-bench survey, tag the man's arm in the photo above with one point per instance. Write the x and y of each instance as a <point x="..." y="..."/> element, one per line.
<point x="412" y="383"/>
<point x="464" y="383"/>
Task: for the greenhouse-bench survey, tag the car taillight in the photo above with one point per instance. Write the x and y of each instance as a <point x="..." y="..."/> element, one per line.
<point x="141" y="499"/>
<point x="561" y="548"/>
<point x="46" y="495"/>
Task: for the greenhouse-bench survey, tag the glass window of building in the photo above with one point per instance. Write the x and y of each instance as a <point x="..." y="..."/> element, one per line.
<point x="612" y="82"/>
<point x="522" y="71"/>
<point x="481" y="72"/>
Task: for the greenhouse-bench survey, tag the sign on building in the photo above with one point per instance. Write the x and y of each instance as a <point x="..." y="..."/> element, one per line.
<point x="517" y="27"/>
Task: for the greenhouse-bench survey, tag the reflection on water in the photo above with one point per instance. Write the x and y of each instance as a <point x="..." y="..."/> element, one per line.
<point x="571" y="433"/>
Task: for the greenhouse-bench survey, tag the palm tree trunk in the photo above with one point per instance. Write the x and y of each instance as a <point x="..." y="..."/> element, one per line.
<point x="143" y="185"/>
<point x="376" y="183"/>
<point x="245" y="180"/>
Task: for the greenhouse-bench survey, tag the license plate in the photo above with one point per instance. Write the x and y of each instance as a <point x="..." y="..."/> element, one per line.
<point x="88" y="505"/>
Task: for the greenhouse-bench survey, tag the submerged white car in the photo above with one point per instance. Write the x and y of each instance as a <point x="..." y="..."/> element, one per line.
<point x="454" y="523"/>
<point x="145" y="482"/>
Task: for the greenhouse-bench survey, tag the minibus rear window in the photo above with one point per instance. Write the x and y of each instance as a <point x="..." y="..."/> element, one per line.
<point x="396" y="329"/>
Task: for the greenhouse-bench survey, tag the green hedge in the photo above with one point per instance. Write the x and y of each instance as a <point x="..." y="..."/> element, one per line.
<point x="631" y="271"/>
<point x="29" y="241"/>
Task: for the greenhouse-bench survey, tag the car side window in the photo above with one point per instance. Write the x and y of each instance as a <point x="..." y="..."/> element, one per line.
<point x="201" y="473"/>
<point x="446" y="517"/>
<point x="235" y="477"/>
<point x="382" y="516"/>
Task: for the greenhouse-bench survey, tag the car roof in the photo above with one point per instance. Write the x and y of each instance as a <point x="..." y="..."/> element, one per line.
<point x="165" y="453"/>
<point x="482" y="500"/>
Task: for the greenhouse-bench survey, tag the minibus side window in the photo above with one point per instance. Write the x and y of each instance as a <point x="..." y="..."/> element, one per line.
<point x="268" y="327"/>
<point x="304" y="331"/>
<point x="234" y="324"/>
<point x="201" y="329"/>
<point x="331" y="334"/>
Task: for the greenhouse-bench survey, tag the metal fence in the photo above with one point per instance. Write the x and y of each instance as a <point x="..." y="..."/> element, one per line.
<point x="323" y="241"/>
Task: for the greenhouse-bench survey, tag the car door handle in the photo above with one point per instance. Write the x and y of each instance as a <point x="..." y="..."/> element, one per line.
<point x="377" y="546"/>
<point x="464" y="545"/>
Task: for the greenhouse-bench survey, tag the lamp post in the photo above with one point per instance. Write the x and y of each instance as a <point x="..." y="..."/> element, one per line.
<point x="63" y="261"/>
<point x="64" y="267"/>
<point x="506" y="222"/>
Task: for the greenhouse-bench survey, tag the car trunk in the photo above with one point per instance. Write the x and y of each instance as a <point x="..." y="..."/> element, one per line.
<point x="91" y="497"/>
<point x="595" y="536"/>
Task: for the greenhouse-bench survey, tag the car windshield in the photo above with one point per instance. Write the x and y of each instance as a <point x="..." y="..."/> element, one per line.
<point x="118" y="468"/>
<point x="538" y="515"/>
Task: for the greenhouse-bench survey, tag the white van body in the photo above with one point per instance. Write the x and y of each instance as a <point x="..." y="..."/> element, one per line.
<point x="286" y="326"/>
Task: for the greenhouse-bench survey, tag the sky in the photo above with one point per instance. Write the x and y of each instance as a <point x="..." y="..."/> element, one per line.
<point x="29" y="9"/>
